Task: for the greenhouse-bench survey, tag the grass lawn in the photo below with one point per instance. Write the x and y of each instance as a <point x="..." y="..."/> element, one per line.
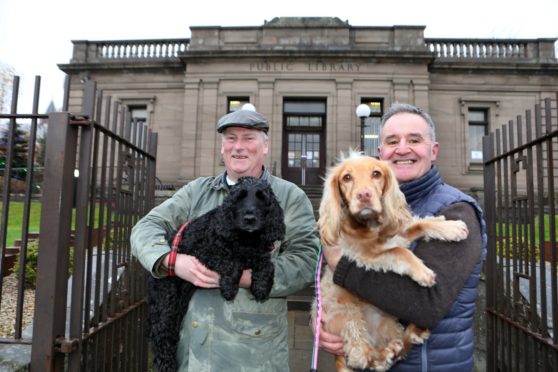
<point x="15" y="220"/>
<point x="520" y="228"/>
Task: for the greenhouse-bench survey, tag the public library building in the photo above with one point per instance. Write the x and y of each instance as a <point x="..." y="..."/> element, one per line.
<point x="308" y="76"/>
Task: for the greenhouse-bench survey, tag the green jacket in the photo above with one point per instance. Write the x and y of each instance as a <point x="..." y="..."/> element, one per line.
<point x="240" y="335"/>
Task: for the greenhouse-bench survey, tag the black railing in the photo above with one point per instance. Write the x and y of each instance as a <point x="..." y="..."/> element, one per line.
<point x="520" y="173"/>
<point x="89" y="297"/>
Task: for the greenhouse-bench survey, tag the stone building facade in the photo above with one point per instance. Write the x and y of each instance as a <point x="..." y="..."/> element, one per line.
<point x="308" y="75"/>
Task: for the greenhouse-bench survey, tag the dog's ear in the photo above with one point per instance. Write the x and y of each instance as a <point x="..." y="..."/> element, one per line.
<point x="275" y="224"/>
<point x="396" y="211"/>
<point x="227" y="212"/>
<point x="331" y="208"/>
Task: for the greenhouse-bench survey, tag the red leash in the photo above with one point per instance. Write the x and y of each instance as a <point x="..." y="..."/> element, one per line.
<point x="174" y="249"/>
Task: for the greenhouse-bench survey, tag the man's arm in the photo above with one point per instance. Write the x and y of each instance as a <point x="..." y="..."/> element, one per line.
<point x="149" y="237"/>
<point x="296" y="262"/>
<point x="401" y="296"/>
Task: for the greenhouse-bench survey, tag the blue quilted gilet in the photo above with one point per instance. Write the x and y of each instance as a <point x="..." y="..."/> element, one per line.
<point x="450" y="346"/>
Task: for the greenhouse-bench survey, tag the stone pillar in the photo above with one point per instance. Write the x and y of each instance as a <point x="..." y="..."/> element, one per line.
<point x="265" y="105"/>
<point x="343" y="126"/>
<point x="208" y="143"/>
<point x="401" y="90"/>
<point x="188" y="149"/>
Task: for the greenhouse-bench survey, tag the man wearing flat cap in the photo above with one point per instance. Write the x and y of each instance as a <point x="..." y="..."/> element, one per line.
<point x="242" y="334"/>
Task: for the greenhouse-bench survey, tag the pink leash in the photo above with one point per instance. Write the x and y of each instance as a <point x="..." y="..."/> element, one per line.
<point x="318" y="313"/>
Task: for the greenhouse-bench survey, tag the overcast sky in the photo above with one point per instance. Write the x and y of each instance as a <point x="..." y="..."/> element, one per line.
<point x="36" y="35"/>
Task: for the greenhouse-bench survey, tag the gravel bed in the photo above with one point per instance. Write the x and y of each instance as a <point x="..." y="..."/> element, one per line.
<point x="9" y="304"/>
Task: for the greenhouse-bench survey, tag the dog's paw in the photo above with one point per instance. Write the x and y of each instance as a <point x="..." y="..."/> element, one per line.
<point x="425" y="277"/>
<point x="420" y="337"/>
<point x="382" y="366"/>
<point x="455" y="231"/>
<point x="229" y="293"/>
<point x="260" y="294"/>
<point x="261" y="288"/>
<point x="395" y="346"/>
<point x="386" y="361"/>
<point x="359" y="355"/>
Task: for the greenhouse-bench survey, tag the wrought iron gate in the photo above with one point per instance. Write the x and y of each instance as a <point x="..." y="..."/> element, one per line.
<point x="520" y="166"/>
<point x="99" y="180"/>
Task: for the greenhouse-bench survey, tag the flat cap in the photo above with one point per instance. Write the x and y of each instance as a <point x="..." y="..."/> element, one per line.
<point x="243" y="118"/>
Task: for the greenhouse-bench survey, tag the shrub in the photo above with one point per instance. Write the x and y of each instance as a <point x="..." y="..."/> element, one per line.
<point x="30" y="280"/>
<point x="505" y="249"/>
<point x="16" y="186"/>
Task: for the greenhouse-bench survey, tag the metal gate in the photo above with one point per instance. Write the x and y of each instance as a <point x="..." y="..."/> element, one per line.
<point x="99" y="180"/>
<point x="520" y="166"/>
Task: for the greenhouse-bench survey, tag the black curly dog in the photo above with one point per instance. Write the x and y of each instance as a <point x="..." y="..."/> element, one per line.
<point x="228" y="239"/>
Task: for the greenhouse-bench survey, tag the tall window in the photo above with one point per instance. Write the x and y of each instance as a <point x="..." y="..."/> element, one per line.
<point x="372" y="125"/>
<point x="138" y="121"/>
<point x="478" y="127"/>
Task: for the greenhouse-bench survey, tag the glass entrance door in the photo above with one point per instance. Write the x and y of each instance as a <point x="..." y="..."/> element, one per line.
<point x="304" y="158"/>
<point x="303" y="154"/>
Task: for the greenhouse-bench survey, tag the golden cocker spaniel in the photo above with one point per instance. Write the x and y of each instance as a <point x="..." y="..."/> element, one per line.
<point x="364" y="213"/>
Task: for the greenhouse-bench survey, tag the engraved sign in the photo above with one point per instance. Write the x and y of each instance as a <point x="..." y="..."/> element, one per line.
<point x="305" y="67"/>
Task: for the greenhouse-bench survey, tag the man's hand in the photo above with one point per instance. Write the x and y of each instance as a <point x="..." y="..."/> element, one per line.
<point x="332" y="256"/>
<point x="329" y="342"/>
<point x="190" y="269"/>
<point x="246" y="278"/>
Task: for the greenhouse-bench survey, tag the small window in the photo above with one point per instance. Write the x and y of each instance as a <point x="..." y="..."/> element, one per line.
<point x="478" y="127"/>
<point x="138" y="113"/>
<point x="235" y="103"/>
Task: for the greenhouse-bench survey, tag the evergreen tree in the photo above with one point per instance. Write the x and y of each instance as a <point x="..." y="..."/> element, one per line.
<point x="19" y="152"/>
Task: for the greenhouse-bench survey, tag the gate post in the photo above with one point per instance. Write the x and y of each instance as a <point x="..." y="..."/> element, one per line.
<point x="490" y="263"/>
<point x="54" y="242"/>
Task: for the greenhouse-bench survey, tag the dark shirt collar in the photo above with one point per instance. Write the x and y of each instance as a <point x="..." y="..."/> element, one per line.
<point x="416" y="189"/>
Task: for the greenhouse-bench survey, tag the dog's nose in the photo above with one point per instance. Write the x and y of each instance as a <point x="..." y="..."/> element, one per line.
<point x="364" y="195"/>
<point x="249" y="218"/>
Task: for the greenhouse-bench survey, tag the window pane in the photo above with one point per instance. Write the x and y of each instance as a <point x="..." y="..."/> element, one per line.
<point x="372" y="136"/>
<point x="476" y="132"/>
<point x="295" y="149"/>
<point x="477" y="115"/>
<point x="304" y="144"/>
<point x="235" y="103"/>
<point x="304" y="121"/>
<point x="312" y="150"/>
<point x="139" y="113"/>
<point x="375" y="105"/>
<point x="305" y="107"/>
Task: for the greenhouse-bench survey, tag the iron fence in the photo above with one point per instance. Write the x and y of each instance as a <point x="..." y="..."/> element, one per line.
<point x="520" y="162"/>
<point x="98" y="180"/>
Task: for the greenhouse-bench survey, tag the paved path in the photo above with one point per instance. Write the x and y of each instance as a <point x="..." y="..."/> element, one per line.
<point x="301" y="345"/>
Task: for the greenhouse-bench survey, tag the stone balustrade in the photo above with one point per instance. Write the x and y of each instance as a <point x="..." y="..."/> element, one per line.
<point x="529" y="50"/>
<point x="86" y="51"/>
<point x="539" y="50"/>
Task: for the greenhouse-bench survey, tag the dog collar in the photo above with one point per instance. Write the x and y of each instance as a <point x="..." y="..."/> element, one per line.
<point x="174" y="249"/>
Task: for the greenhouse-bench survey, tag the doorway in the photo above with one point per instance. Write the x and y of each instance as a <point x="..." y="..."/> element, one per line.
<point x="303" y="159"/>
